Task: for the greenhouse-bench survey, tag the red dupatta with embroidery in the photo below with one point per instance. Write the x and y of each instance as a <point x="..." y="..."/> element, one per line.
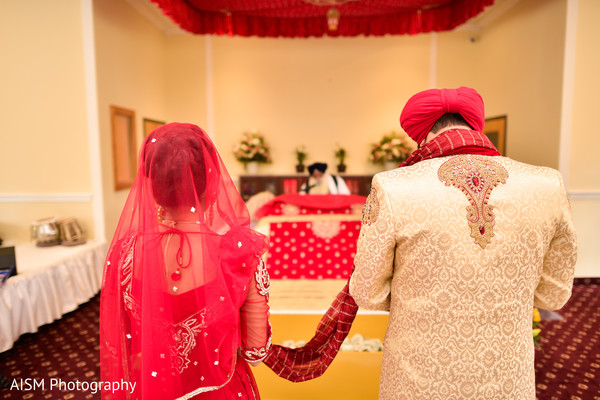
<point x="177" y="273"/>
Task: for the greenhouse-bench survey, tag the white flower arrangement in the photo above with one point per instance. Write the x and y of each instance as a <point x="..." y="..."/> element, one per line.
<point x="393" y="147"/>
<point x="356" y="343"/>
<point x="252" y="147"/>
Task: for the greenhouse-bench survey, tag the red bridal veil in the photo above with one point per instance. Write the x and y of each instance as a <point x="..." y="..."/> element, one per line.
<point x="177" y="272"/>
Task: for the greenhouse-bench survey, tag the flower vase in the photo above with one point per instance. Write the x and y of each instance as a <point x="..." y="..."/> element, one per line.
<point x="391" y="165"/>
<point x="300" y="168"/>
<point x="252" y="168"/>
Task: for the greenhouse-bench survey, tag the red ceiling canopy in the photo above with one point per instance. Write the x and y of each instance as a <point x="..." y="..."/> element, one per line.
<point x="305" y="18"/>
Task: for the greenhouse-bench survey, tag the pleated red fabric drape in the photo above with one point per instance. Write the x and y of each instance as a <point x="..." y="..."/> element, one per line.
<point x="298" y="18"/>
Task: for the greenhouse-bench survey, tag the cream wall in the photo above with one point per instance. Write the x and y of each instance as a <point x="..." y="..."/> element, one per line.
<point x="516" y="63"/>
<point x="159" y="77"/>
<point x="584" y="166"/>
<point x="186" y="90"/>
<point x="585" y="140"/>
<point x="131" y="67"/>
<point x="314" y="92"/>
<point x="44" y="156"/>
<point x="266" y="83"/>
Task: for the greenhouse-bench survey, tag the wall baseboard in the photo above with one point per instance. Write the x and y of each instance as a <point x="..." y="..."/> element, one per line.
<point x="87" y="197"/>
<point x="584" y="195"/>
<point x="45" y="197"/>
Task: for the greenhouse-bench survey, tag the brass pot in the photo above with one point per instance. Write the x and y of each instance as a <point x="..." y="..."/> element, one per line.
<point x="71" y="233"/>
<point x="45" y="232"/>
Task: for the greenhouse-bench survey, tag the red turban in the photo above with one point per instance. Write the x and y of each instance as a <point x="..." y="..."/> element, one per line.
<point x="423" y="110"/>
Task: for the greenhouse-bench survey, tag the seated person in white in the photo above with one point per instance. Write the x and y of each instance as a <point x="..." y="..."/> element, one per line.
<point x="320" y="182"/>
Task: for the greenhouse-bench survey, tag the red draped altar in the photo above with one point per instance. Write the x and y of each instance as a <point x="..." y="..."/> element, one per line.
<point x="311" y="236"/>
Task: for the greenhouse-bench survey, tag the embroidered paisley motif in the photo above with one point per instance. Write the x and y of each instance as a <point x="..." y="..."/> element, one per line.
<point x="476" y="176"/>
<point x="183" y="339"/>
<point x="254" y="354"/>
<point x="371" y="208"/>
<point x="263" y="284"/>
<point x="126" y="263"/>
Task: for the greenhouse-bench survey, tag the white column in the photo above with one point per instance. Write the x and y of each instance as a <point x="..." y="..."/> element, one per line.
<point x="566" y="119"/>
<point x="89" y="54"/>
<point x="210" y="100"/>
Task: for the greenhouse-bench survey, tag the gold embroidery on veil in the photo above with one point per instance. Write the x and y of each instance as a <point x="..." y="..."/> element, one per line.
<point x="183" y="339"/>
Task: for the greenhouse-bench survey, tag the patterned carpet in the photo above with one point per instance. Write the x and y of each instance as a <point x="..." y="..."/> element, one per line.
<point x="567" y="366"/>
<point x="66" y="350"/>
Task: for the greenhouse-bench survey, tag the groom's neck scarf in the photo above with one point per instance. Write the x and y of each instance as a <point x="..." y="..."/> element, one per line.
<point x="453" y="142"/>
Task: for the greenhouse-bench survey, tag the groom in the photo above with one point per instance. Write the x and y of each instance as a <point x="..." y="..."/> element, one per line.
<point x="459" y="244"/>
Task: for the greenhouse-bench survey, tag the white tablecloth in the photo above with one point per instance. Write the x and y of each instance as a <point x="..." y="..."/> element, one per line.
<point x="51" y="281"/>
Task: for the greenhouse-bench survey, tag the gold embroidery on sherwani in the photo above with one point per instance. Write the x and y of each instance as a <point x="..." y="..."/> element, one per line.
<point x="418" y="262"/>
<point x="371" y="208"/>
<point x="476" y="177"/>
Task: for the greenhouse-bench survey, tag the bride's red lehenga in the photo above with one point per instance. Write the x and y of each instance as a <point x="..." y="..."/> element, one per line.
<point x="184" y="293"/>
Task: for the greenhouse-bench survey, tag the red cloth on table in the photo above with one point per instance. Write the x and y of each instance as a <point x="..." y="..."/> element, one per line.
<point x="319" y="248"/>
<point x="297" y="251"/>
<point x="311" y="204"/>
<point x="298" y="242"/>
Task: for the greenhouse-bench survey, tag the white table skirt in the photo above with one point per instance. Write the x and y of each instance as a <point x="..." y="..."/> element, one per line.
<point x="51" y="281"/>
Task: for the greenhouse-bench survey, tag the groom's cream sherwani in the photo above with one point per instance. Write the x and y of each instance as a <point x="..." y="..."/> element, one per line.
<point x="459" y="249"/>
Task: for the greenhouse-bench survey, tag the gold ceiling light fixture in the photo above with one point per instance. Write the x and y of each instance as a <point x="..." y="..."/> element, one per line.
<point x="333" y="14"/>
<point x="333" y="19"/>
